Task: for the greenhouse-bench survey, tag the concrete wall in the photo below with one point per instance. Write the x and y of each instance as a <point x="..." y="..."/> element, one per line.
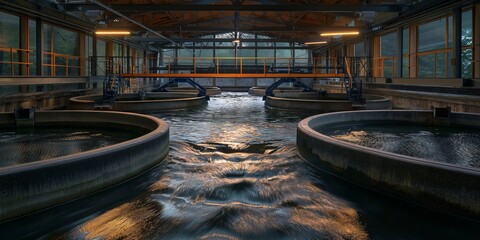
<point x="34" y="186"/>
<point x="425" y="101"/>
<point x="43" y="100"/>
<point x="420" y="100"/>
<point x="447" y="82"/>
<point x="440" y="186"/>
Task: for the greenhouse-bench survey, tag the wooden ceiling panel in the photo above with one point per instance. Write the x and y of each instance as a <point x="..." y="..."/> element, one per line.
<point x="182" y="20"/>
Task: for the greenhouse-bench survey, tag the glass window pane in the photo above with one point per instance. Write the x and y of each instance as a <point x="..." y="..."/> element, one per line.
<point x="9" y="38"/>
<point x="432" y="35"/>
<point x="266" y="55"/>
<point x="283" y="57"/>
<point x="440" y="70"/>
<point x="101" y="52"/>
<point x="359" y="50"/>
<point x="301" y="57"/>
<point x="247" y="36"/>
<point x="467" y="58"/>
<point x="117" y="50"/>
<point x="227" y="56"/>
<point x="450" y="31"/>
<point x="65" y="41"/>
<point x="185" y="57"/>
<point x="467" y="32"/>
<point x="426" y="65"/>
<point x="47" y="37"/>
<point x="204" y="57"/>
<point x="405" y="71"/>
<point x="405" y="41"/>
<point x="9" y="30"/>
<point x="168" y="56"/>
<point x="450" y="64"/>
<point x="388" y="67"/>
<point x="282" y="44"/>
<point x="388" y="44"/>
<point x="248" y="56"/>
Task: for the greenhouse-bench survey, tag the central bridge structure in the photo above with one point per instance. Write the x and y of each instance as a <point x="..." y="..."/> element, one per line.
<point x="242" y="67"/>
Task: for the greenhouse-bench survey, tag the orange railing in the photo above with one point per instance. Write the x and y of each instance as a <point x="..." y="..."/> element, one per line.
<point x="15" y="58"/>
<point x="440" y="67"/>
<point x="18" y="63"/>
<point x="438" y="59"/>
<point x="63" y="64"/>
<point x="240" y="64"/>
<point x="384" y="66"/>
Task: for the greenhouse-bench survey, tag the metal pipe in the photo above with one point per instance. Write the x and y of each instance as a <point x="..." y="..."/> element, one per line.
<point x="136" y="22"/>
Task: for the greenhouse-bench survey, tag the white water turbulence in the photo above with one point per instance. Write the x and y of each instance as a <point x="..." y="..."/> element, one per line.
<point x="233" y="173"/>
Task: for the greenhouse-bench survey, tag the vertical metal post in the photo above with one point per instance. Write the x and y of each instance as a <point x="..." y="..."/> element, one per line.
<point x="39" y="46"/>
<point x="399" y="52"/>
<point x="457" y="20"/>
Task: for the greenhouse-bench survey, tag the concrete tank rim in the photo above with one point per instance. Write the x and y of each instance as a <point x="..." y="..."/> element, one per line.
<point x="162" y="128"/>
<point x="306" y="100"/>
<point x="381" y="99"/>
<point x="161" y="100"/>
<point x="95" y="96"/>
<point x="304" y="126"/>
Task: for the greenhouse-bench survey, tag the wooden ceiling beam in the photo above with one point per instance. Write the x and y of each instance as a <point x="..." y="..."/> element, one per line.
<point x="247" y="8"/>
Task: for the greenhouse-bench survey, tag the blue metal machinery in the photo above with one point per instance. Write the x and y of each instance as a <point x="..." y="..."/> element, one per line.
<point x="110" y="90"/>
<point x="296" y="82"/>
<point x="353" y="85"/>
<point x="201" y="90"/>
<point x="354" y="90"/>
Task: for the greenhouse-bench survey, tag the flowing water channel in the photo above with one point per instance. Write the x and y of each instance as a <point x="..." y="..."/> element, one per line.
<point x="233" y="173"/>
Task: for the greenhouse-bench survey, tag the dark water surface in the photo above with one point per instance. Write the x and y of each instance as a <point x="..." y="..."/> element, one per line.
<point x="233" y="173"/>
<point x="459" y="146"/>
<point x="26" y="145"/>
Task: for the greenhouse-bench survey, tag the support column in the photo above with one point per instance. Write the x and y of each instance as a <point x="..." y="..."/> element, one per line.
<point x="129" y="60"/>
<point x="24" y="37"/>
<point x="93" y="59"/>
<point x="368" y="49"/>
<point x="399" y="65"/>
<point x="39" y="47"/>
<point x="457" y="41"/>
<point x="412" y="45"/>
<point x="83" y="55"/>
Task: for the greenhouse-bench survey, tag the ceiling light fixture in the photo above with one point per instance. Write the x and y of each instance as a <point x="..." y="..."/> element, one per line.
<point x="339" y="33"/>
<point x="314" y="43"/>
<point x="112" y="32"/>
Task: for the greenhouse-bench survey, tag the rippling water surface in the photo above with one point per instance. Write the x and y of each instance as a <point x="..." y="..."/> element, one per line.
<point x="233" y="173"/>
<point x="26" y="145"/>
<point x="459" y="146"/>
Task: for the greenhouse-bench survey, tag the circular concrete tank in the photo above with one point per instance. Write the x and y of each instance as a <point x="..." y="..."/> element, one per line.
<point x="441" y="186"/>
<point x="260" y="91"/>
<point x="152" y="102"/>
<point x="30" y="187"/>
<point x="330" y="102"/>
<point x="211" y="91"/>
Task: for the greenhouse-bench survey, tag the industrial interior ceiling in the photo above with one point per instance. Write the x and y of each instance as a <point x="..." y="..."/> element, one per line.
<point x="166" y="21"/>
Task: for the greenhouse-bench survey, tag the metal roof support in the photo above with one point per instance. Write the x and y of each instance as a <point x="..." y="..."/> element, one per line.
<point x="135" y="22"/>
<point x="251" y="7"/>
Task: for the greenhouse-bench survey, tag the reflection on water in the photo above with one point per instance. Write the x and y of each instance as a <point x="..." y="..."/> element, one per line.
<point x="233" y="173"/>
<point x="26" y="145"/>
<point x="450" y="145"/>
